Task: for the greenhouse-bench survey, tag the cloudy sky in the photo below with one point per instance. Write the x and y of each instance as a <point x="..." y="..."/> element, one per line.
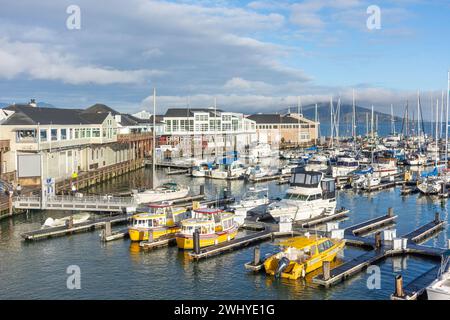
<point x="250" y="55"/>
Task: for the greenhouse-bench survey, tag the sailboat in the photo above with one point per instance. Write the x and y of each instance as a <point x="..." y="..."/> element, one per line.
<point x="166" y="192"/>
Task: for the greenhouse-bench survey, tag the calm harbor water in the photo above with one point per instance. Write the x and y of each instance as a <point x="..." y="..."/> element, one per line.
<point x="118" y="270"/>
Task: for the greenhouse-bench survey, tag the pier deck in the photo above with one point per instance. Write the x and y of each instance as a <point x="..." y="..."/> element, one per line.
<point x="350" y="268"/>
<point x="370" y="225"/>
<point x="385" y="249"/>
<point x="424" y="231"/>
<point x="417" y="287"/>
<point x="323" y="219"/>
<point x="232" y="245"/>
<point x="81" y="227"/>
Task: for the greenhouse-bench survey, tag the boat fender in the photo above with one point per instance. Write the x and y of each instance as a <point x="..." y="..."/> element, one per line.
<point x="303" y="273"/>
<point x="282" y="265"/>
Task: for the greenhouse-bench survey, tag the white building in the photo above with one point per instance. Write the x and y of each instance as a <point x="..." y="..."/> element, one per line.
<point x="209" y="131"/>
<point x="55" y="142"/>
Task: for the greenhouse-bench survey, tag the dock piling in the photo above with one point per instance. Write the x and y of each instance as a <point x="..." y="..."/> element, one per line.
<point x="390" y="212"/>
<point x="257" y="255"/>
<point x="107" y="229"/>
<point x="326" y="269"/>
<point x="196" y="239"/>
<point x="399" y="286"/>
<point x="378" y="240"/>
<point x="437" y="218"/>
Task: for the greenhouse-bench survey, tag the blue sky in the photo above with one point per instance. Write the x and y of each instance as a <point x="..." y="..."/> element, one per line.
<point x="251" y="55"/>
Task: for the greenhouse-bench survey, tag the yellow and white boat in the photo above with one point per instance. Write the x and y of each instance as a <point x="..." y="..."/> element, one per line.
<point x="215" y="226"/>
<point x="302" y="255"/>
<point x="156" y="221"/>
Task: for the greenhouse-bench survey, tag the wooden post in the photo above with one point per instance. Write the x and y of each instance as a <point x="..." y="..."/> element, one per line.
<point x="257" y="256"/>
<point x="10" y="204"/>
<point x="196" y="239"/>
<point x="107" y="229"/>
<point x="390" y="212"/>
<point x="399" y="286"/>
<point x="202" y="189"/>
<point x="378" y="240"/>
<point x="437" y="219"/>
<point x="70" y="223"/>
<point x="326" y="270"/>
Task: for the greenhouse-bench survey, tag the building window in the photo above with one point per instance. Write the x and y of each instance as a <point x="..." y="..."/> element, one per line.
<point x="54" y="134"/>
<point x="43" y="135"/>
<point x="63" y="134"/>
<point x="96" y="133"/>
<point x="83" y="133"/>
<point x="26" y="136"/>
<point x="88" y="133"/>
<point x="77" y="133"/>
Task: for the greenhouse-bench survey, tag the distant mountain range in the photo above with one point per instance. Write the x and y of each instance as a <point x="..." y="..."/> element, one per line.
<point x="346" y="113"/>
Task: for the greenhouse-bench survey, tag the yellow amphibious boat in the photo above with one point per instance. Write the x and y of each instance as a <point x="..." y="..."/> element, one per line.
<point x="156" y="221"/>
<point x="215" y="226"/>
<point x="302" y="255"/>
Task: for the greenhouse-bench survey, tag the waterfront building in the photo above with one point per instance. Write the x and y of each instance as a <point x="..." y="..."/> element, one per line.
<point x="207" y="131"/>
<point x="56" y="143"/>
<point x="291" y="128"/>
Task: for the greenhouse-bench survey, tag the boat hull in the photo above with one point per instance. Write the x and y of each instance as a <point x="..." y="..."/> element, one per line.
<point x="297" y="270"/>
<point x="186" y="242"/>
<point x="141" y="234"/>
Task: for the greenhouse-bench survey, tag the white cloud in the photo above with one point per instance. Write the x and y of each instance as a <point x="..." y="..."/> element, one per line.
<point x="34" y="61"/>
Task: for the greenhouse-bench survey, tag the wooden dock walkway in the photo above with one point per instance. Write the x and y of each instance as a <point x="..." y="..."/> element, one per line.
<point x="232" y="245"/>
<point x="424" y="231"/>
<point x="384" y="249"/>
<point x="149" y="245"/>
<point x="81" y="227"/>
<point x="350" y="268"/>
<point x="417" y="287"/>
<point x="370" y="225"/>
<point x="322" y="219"/>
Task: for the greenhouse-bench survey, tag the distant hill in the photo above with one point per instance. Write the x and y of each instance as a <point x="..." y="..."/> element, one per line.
<point x="346" y="112"/>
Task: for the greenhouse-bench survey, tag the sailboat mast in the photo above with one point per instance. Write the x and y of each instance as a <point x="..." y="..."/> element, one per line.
<point x="436" y="132"/>
<point x="154" y="140"/>
<point x="371" y="123"/>
<point x="442" y="114"/>
<point x="418" y="119"/>
<point x="392" y="120"/>
<point x="331" y="120"/>
<point x="446" y="119"/>
<point x="316" y="121"/>
<point x="354" y="116"/>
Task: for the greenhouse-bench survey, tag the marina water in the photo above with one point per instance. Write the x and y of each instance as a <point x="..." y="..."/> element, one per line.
<point x="119" y="270"/>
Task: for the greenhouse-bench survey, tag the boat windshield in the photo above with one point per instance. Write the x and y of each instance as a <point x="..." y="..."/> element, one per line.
<point x="294" y="196"/>
<point x="347" y="164"/>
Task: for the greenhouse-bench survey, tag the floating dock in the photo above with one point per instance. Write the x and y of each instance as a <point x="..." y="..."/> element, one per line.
<point x="232" y="245"/>
<point x="341" y="214"/>
<point x="280" y="177"/>
<point x="81" y="227"/>
<point x="380" y="249"/>
<point x="371" y="225"/>
<point x="149" y="245"/>
<point x="416" y="288"/>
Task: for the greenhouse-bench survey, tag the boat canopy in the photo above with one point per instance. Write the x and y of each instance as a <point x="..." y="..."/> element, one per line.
<point x="430" y="174"/>
<point x="302" y="178"/>
<point x="208" y="211"/>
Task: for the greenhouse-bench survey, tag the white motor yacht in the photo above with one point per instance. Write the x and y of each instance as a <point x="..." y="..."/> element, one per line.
<point x="166" y="192"/>
<point x="309" y="195"/>
<point x="253" y="199"/>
